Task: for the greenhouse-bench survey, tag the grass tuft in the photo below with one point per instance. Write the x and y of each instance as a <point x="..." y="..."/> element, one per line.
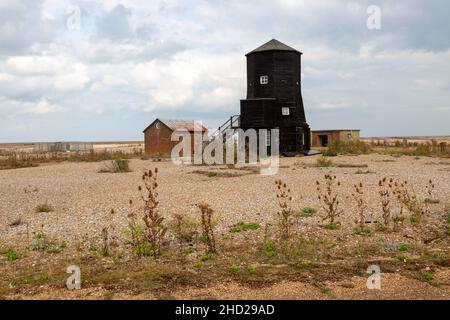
<point x="324" y="162"/>
<point x="307" y="212"/>
<point x="11" y="255"/>
<point x="44" y="208"/>
<point x="242" y="226"/>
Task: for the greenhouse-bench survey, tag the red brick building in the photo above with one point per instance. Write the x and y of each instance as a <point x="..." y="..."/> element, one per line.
<point x="157" y="136"/>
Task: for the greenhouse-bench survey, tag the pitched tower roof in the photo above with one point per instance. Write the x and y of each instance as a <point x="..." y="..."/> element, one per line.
<point x="273" y="44"/>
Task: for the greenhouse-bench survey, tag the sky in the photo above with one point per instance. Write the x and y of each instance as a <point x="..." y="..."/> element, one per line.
<point x="104" y="70"/>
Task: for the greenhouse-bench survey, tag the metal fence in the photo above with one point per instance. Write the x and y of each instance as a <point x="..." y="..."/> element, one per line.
<point x="62" y="146"/>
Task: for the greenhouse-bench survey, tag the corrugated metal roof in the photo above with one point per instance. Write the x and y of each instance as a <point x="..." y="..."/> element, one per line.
<point x="334" y="130"/>
<point x="178" y="124"/>
<point x="273" y="44"/>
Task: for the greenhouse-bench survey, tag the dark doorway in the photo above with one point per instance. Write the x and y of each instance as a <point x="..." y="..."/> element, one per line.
<point x="323" y="140"/>
<point x="300" y="139"/>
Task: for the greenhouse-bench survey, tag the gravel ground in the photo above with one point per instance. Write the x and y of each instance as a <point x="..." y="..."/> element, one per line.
<point x="393" y="286"/>
<point x="353" y="288"/>
<point x="83" y="198"/>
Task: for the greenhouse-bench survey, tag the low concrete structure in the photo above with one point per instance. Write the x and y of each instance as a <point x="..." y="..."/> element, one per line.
<point x="63" y="146"/>
<point x="322" y="138"/>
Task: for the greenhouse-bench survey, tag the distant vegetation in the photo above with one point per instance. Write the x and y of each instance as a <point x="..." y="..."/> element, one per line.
<point x="15" y="160"/>
<point x="430" y="149"/>
<point x="346" y="147"/>
<point x="324" y="162"/>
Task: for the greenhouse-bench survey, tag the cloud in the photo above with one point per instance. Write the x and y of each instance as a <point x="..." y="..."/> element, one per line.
<point x="33" y="65"/>
<point x="22" y="25"/>
<point x="134" y="60"/>
<point x="33" y="77"/>
<point x="115" y="24"/>
<point x="40" y="107"/>
<point x="191" y="78"/>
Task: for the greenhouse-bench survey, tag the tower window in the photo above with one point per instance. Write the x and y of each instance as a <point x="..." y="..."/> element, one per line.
<point x="268" y="138"/>
<point x="285" y="111"/>
<point x="264" y="79"/>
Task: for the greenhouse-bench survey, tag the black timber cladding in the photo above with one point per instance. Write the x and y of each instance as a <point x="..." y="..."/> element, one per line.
<point x="264" y="103"/>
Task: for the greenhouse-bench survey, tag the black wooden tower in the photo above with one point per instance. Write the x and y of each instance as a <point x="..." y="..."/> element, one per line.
<point x="274" y="98"/>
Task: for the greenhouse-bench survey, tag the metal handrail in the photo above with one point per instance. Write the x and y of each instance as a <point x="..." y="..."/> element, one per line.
<point x="228" y="124"/>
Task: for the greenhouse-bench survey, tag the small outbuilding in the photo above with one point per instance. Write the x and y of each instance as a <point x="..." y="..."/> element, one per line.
<point x="157" y="136"/>
<point x="322" y="138"/>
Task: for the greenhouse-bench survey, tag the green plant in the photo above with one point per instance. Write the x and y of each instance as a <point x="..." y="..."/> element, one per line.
<point x="184" y="228"/>
<point x="398" y="219"/>
<point x="285" y="213"/>
<point x="413" y="218"/>
<point x="250" y="269"/>
<point x="206" y="256"/>
<point x="324" y="162"/>
<point x="143" y="249"/>
<point x="44" y="208"/>
<point x="329" y="197"/>
<point x="347" y="147"/>
<point x="403" y="247"/>
<point x="329" y="152"/>
<point x="408" y="199"/>
<point x="242" y="226"/>
<point x="331" y="226"/>
<point x="39" y="241"/>
<point x="435" y="254"/>
<point x="307" y="212"/>
<point x="269" y="249"/>
<point x="188" y="250"/>
<point x="63" y="244"/>
<point x="428" y="276"/>
<point x="403" y="257"/>
<point x="135" y="234"/>
<point x="197" y="265"/>
<point x="304" y="264"/>
<point x="11" y="254"/>
<point x="207" y="227"/>
<point x="233" y="268"/>
<point x="35" y="279"/>
<point x="359" y="231"/>
<point x="211" y="174"/>
<point x="325" y="290"/>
